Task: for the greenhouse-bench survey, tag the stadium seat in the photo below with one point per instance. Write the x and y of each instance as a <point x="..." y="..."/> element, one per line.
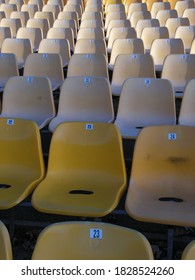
<point x="91" y="240"/>
<point x="8" y="9"/>
<point x="21" y="163"/>
<point x="180" y="6"/>
<point x="173" y="23"/>
<point x="56" y="2"/>
<point x="149" y="34"/>
<point x="187" y="112"/>
<point x="132" y="7"/>
<point x="87" y="65"/>
<point x="114" y="16"/>
<point x="23" y="16"/>
<point x="30" y="8"/>
<point x="117" y="23"/>
<point x="159" y="6"/>
<point x="13" y="23"/>
<point x="190" y="14"/>
<point x="5" y="243"/>
<point x="28" y="98"/>
<point x="143" y="23"/>
<point x="90" y="46"/>
<point x="91" y="33"/>
<point x="120" y="33"/>
<point x="84" y="176"/>
<point x="62" y="33"/>
<point x="162" y="47"/>
<point x="91" y="23"/>
<point x="145" y="102"/>
<point x="125" y="46"/>
<point x="35" y="35"/>
<point x="69" y="23"/>
<point x="60" y="46"/>
<point x="45" y="15"/>
<point x="46" y="65"/>
<point x="161" y="188"/>
<point x="67" y="15"/>
<point x="179" y="69"/>
<point x="41" y="23"/>
<point x="187" y="34"/>
<point x="131" y="66"/>
<point x="55" y="9"/>
<point x="39" y="3"/>
<point x="139" y="15"/>
<point x="84" y="99"/>
<point x="164" y="15"/>
<point x="20" y="47"/>
<point x="189" y="251"/>
<point x="8" y="68"/>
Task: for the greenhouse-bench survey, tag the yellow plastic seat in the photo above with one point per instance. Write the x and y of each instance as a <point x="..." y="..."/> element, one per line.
<point x="56" y="2"/>
<point x="39" y="3"/>
<point x="60" y="46"/>
<point x="5" y="243"/>
<point x="45" y="65"/>
<point x="90" y="46"/>
<point x="145" y="102"/>
<point x="28" y="98"/>
<point x="91" y="241"/>
<point x="179" y="69"/>
<point x="94" y="7"/>
<point x="87" y="65"/>
<point x="73" y="7"/>
<point x="131" y="66"/>
<point x="149" y="34"/>
<point x="187" y="34"/>
<point x="187" y="112"/>
<point x="161" y="188"/>
<point x="164" y="15"/>
<point x="8" y="68"/>
<point x="189" y="251"/>
<point x="125" y="46"/>
<point x="162" y="47"/>
<point x="91" y="23"/>
<point x="173" y="23"/>
<point x="150" y="3"/>
<point x="120" y="33"/>
<point x="84" y="99"/>
<point x="18" y="3"/>
<point x="91" y="16"/>
<point x="90" y="184"/>
<point x="35" y="35"/>
<point x="69" y="23"/>
<point x="114" y="8"/>
<point x="68" y="15"/>
<point x="90" y="33"/>
<point x="21" y="163"/>
<point x="20" y="47"/>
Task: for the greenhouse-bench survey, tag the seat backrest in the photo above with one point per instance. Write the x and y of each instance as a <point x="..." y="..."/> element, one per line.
<point x="91" y="46"/>
<point x="55" y="9"/>
<point x="46" y="65"/>
<point x="179" y="69"/>
<point x="84" y="99"/>
<point x="20" y="47"/>
<point x="67" y="15"/>
<point x="161" y="188"/>
<point x="145" y="102"/>
<point x="173" y="23"/>
<point x="5" y="243"/>
<point x="125" y="46"/>
<point x="157" y="6"/>
<point x="180" y="6"/>
<point x="8" y="9"/>
<point x="41" y="23"/>
<point x="69" y="23"/>
<point x="117" y="23"/>
<point x="62" y="33"/>
<point x="8" y="68"/>
<point x="35" y="35"/>
<point x="5" y="32"/>
<point x="45" y="15"/>
<point x="131" y="66"/>
<point x="13" y="23"/>
<point x="130" y="8"/>
<point x="138" y="15"/>
<point x="90" y="33"/>
<point x="88" y="65"/>
<point x="149" y="34"/>
<point x="143" y="23"/>
<point x="187" y="34"/>
<point x="190" y="14"/>
<point x="23" y="16"/>
<point x="114" y="15"/>
<point x="162" y="47"/>
<point x="164" y="15"/>
<point x="28" y="98"/>
<point x="60" y="46"/>
<point x="91" y="240"/>
<point x="91" y="23"/>
<point x="30" y="8"/>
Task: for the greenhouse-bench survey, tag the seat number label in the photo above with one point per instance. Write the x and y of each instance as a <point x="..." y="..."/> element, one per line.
<point x="95" y="233"/>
